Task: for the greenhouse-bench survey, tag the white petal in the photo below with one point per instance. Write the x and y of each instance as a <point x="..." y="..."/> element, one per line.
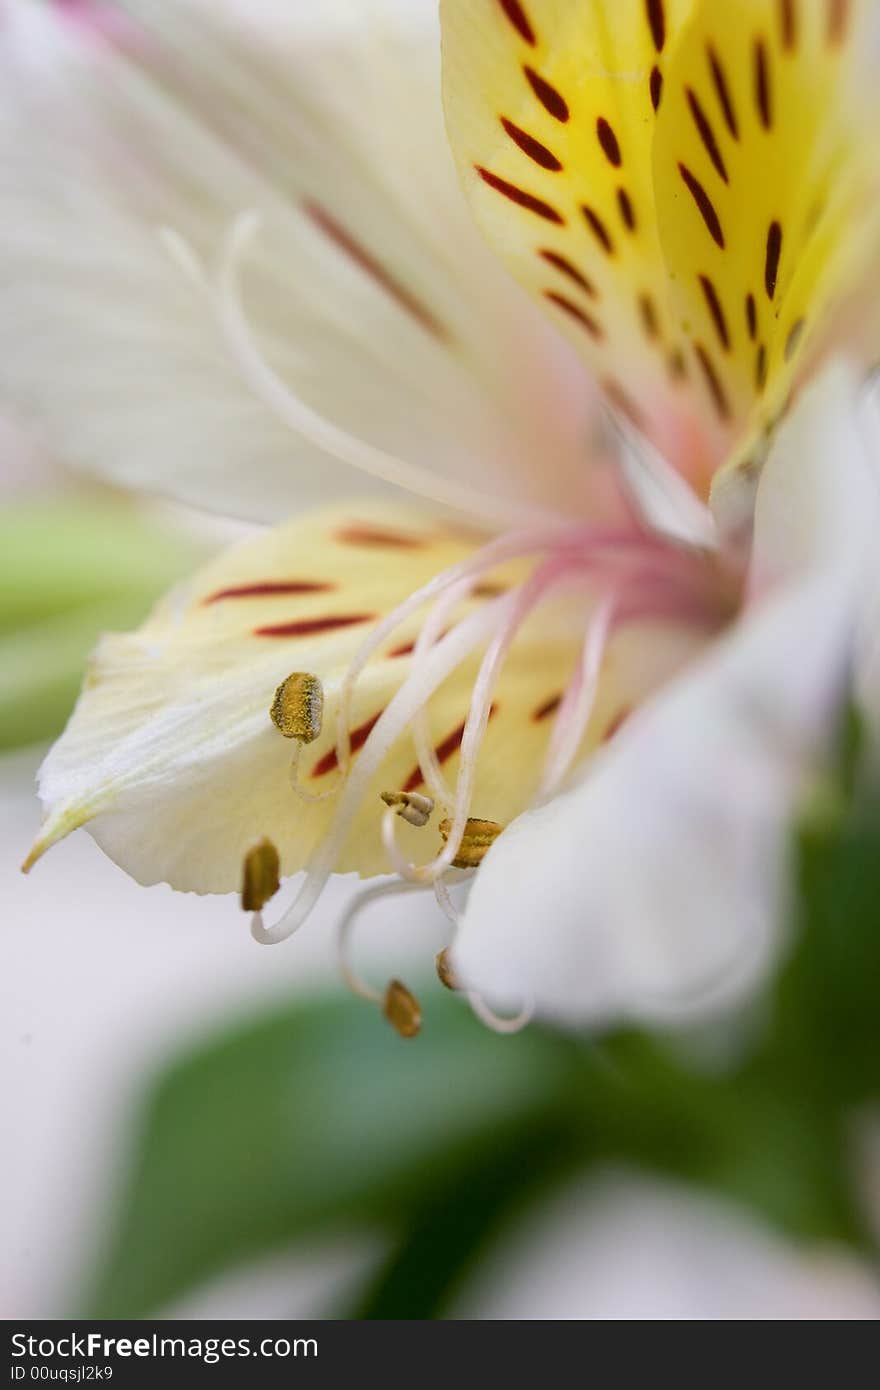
<point x="192" y="126"/>
<point x="818" y="499"/>
<point x="621" y="1248"/>
<point x="656" y="887"/>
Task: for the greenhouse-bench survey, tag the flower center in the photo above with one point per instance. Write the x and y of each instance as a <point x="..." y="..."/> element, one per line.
<point x="607" y="579"/>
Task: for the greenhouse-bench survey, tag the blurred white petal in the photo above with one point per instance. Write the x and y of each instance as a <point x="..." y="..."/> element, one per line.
<point x="622" y="1248"/>
<point x="656" y="886"/>
<point x="332" y="131"/>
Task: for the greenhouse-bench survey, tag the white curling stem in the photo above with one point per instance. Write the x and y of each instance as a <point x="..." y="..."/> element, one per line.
<point x="355" y="908"/>
<point x="549" y="576"/>
<point x="579" y="702"/>
<point x="440" y="663"/>
<point x="293" y="412"/>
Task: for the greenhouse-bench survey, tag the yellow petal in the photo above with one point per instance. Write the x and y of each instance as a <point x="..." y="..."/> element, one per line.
<point x="551" y="109"/>
<point x="645" y="167"/>
<point x="765" y="168"/>
<point x="172" y="756"/>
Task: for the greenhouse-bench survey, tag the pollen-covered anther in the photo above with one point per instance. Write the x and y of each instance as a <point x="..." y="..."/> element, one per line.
<point x="297" y="709"/>
<point x="445" y="970"/>
<point x="402" y="1009"/>
<point x="412" y="807"/>
<point x="260" y="878"/>
<point x="478" y="837"/>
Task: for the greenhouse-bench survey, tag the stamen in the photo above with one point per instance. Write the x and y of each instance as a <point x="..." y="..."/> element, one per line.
<point x="445" y="970"/>
<point x="298" y="707"/>
<point x="524" y="599"/>
<point x="412" y="807"/>
<point x="439" y="664"/>
<point x="397" y="1003"/>
<point x="477" y="840"/>
<point x="260" y="879"/>
<point x="297" y="711"/>
<point x="402" y="1010"/>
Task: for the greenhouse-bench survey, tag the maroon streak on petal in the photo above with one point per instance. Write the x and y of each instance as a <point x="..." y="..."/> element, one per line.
<point x="357" y="738"/>
<point x="372" y="536"/>
<point x="310" y="627"/>
<point x="520" y="196"/>
<point x="519" y="19"/>
<point x="532" y="147"/>
<point x="552" y="100"/>
<point x="564" y="265"/>
<point x="367" y="262"/>
<point x="269" y="587"/>
<point x="443" y="752"/>
<point x="617" y="723"/>
<point x="549" y="707"/>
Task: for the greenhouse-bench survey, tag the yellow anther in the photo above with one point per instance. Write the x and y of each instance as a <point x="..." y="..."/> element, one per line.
<point x="260" y="879"/>
<point x="412" y="807"/>
<point x="445" y="970"/>
<point x="478" y="836"/>
<point x="402" y="1010"/>
<point x="298" y="707"/>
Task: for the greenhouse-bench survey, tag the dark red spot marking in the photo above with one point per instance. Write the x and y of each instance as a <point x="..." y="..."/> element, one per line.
<point x="657" y="22"/>
<point x="532" y="147"/>
<point x="598" y="228"/>
<point x="716" y="309"/>
<point x="788" y="24"/>
<point x="838" y="20"/>
<point x="706" y="133"/>
<point x="519" y="19"/>
<point x="751" y="316"/>
<point x="713" y="381"/>
<point x="549" y="707"/>
<point x="722" y="90"/>
<point x="565" y="266"/>
<point x="405" y="649"/>
<point x="648" y="313"/>
<point x="489" y="590"/>
<point x="357" y="738"/>
<point x="367" y="262"/>
<point x="609" y="142"/>
<point x="792" y="342"/>
<point x="656" y="88"/>
<point x="774" y="251"/>
<point x="627" y="211"/>
<point x="763" y="95"/>
<point x="552" y="100"/>
<point x="575" y="312"/>
<point x="309" y="627"/>
<point x="443" y="752"/>
<point x="761" y="368"/>
<point x="677" y="365"/>
<point x="623" y="400"/>
<point x="268" y="588"/>
<point x="373" y="536"/>
<point x="704" y="204"/>
<point x="617" y="723"/>
<point x="520" y="196"/>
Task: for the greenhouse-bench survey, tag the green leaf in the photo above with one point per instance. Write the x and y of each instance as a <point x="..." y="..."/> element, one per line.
<point x="316" y="1115"/>
<point x="319" y="1117"/>
<point x="70" y="570"/>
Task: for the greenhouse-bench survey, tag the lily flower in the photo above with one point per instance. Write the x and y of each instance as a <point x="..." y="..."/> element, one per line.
<point x="597" y="666"/>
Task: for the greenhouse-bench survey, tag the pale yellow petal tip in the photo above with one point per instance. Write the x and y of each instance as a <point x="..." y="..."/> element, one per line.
<point x="56" y="828"/>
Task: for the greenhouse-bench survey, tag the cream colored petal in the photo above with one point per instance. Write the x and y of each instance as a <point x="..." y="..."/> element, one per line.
<point x="171" y="757"/>
<point x="367" y="290"/>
